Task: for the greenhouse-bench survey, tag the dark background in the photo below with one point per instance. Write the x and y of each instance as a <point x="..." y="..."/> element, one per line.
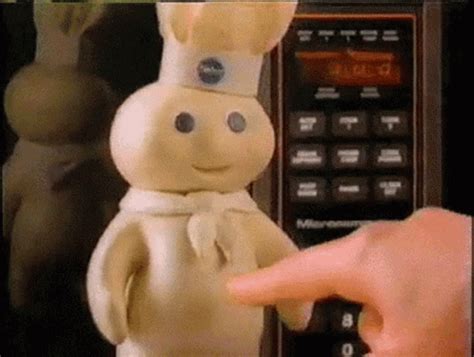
<point x="124" y="49"/>
<point x="458" y="107"/>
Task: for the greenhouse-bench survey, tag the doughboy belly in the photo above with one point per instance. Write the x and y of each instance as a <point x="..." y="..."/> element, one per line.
<point x="179" y="304"/>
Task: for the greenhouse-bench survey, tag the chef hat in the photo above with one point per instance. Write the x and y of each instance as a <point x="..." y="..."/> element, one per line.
<point x="220" y="46"/>
<point x="59" y="29"/>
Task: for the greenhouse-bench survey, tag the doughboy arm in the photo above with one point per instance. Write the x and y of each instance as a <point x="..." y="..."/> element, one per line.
<point x="272" y="245"/>
<point x="120" y="252"/>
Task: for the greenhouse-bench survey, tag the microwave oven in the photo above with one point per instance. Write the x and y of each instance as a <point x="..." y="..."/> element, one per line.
<point x="355" y="90"/>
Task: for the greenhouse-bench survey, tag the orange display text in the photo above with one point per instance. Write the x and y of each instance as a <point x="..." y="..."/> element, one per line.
<point x="350" y="68"/>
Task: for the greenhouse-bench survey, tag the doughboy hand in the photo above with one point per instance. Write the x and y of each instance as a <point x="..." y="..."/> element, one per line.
<point x="412" y="277"/>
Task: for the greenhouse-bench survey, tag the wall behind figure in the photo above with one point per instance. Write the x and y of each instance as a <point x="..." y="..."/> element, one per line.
<point x="457" y="107"/>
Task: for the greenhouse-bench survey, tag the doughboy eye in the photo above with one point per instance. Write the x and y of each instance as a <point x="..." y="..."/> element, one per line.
<point x="236" y="122"/>
<point x="184" y="122"/>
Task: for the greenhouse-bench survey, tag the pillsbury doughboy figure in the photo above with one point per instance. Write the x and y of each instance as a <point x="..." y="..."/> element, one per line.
<point x="188" y="145"/>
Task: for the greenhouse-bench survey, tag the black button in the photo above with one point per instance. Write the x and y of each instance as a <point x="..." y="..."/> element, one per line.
<point x="391" y="156"/>
<point x="307" y="124"/>
<point x="392" y="188"/>
<point x="305" y="35"/>
<point x="349" y="348"/>
<point x="349" y="124"/>
<point x="307" y="189"/>
<point x="319" y="319"/>
<point x="307" y="156"/>
<point x="347" y="189"/>
<point x="210" y="70"/>
<point x="343" y="319"/>
<point x="391" y="123"/>
<point x="349" y="156"/>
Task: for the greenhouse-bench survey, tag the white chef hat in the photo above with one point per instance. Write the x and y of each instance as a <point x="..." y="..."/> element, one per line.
<point x="220" y="46"/>
<point x="59" y="28"/>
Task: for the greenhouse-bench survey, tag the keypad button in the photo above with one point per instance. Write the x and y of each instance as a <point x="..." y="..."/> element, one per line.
<point x="349" y="348"/>
<point x="305" y="35"/>
<point x="343" y="318"/>
<point x="390" y="123"/>
<point x="349" y="156"/>
<point x="391" y="156"/>
<point x="349" y="124"/>
<point x="307" y="189"/>
<point x="307" y="124"/>
<point x="348" y="189"/>
<point x="307" y="156"/>
<point x="392" y="188"/>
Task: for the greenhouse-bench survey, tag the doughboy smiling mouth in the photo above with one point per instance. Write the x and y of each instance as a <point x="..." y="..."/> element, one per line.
<point x="215" y="169"/>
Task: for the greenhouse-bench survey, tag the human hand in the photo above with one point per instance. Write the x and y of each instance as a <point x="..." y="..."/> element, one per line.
<point x="412" y="278"/>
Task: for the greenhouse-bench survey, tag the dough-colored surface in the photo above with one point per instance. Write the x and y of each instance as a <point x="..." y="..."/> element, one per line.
<point x="161" y="298"/>
<point x="156" y="281"/>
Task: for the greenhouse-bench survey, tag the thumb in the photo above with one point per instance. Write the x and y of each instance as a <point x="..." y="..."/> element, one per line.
<point x="316" y="273"/>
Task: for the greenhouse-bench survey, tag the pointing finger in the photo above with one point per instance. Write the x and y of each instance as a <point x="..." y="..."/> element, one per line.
<point x="313" y="274"/>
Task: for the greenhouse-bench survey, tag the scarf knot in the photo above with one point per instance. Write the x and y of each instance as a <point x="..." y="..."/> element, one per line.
<point x="205" y="209"/>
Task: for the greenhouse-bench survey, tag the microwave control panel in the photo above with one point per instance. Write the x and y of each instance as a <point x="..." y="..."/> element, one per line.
<point x="347" y="145"/>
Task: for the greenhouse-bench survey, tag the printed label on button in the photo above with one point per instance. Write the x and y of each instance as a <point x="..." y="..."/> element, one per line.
<point x="343" y="318"/>
<point x="353" y="156"/>
<point x="370" y="93"/>
<point x="348" y="34"/>
<point x="349" y="348"/>
<point x="391" y="156"/>
<point x="307" y="124"/>
<point x="390" y="120"/>
<point x="352" y="124"/>
<point x="391" y="38"/>
<point x="307" y="156"/>
<point x="307" y="189"/>
<point x="305" y="35"/>
<point x="350" y="188"/>
<point x="349" y="156"/>
<point x="392" y="188"/>
<point x="348" y="121"/>
<point x="391" y="123"/>
<point x="327" y="93"/>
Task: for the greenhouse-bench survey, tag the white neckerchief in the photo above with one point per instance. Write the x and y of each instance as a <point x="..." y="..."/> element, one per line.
<point x="205" y="208"/>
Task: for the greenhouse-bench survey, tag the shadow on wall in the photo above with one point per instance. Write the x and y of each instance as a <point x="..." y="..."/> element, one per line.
<point x="124" y="49"/>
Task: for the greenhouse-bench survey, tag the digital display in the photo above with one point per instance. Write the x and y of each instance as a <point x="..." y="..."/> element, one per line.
<point x="349" y="68"/>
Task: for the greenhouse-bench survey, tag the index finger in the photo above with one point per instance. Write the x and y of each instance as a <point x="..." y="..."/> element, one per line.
<point x="313" y="274"/>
